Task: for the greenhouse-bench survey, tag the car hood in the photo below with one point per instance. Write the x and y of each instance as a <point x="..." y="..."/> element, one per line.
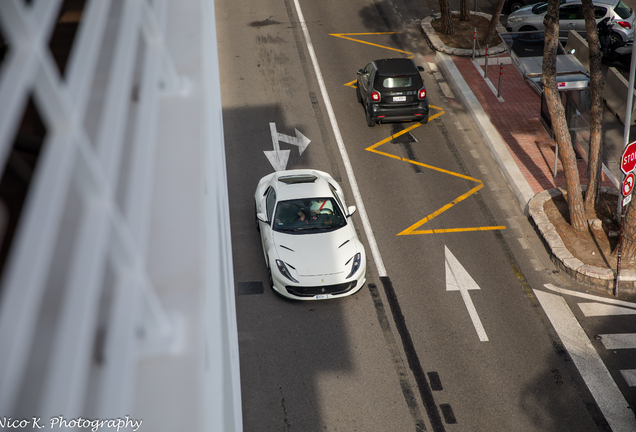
<point x="318" y="253"/>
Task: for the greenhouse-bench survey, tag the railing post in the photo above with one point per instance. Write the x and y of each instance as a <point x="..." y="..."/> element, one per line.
<point x="474" y="41"/>
<point x="486" y="69"/>
<point x="500" y="74"/>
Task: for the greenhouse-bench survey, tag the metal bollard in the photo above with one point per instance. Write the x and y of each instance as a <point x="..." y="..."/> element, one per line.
<point x="500" y="74"/>
<point x="486" y="69"/>
<point x="474" y="41"/>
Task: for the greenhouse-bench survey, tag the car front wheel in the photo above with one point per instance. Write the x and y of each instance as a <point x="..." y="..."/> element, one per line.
<point x="515" y="5"/>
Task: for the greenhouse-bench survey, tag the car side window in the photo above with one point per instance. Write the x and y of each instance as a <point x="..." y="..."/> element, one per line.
<point x="599" y="12"/>
<point x="270" y="202"/>
<point x="570" y="12"/>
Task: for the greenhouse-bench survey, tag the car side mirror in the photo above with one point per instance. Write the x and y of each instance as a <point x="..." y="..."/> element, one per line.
<point x="262" y="217"/>
<point x="420" y="68"/>
<point x="360" y="71"/>
<point x="351" y="210"/>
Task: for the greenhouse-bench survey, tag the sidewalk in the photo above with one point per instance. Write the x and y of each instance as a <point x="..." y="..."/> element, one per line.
<point x="525" y="152"/>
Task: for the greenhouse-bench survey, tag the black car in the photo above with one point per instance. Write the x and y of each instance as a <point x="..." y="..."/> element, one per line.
<point x="392" y="90"/>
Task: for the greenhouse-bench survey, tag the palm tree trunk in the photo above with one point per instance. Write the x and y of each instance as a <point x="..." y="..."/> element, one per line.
<point x="559" y="123"/>
<point x="493" y="22"/>
<point x="446" y="16"/>
<point x="596" y="110"/>
<point x="464" y="10"/>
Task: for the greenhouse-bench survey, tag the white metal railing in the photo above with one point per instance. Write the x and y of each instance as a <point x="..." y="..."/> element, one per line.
<point x="86" y="302"/>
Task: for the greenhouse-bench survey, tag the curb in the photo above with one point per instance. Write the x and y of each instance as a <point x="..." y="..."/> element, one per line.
<point x="436" y="43"/>
<point x="596" y="277"/>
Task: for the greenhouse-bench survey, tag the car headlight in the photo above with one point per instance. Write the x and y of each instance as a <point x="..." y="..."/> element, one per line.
<point x="282" y="268"/>
<point x="516" y="19"/>
<point x="356" y="264"/>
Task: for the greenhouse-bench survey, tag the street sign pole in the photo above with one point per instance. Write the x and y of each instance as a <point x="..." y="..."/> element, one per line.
<point x="620" y="248"/>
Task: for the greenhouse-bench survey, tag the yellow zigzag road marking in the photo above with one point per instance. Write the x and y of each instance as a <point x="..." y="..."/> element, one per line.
<point x="346" y="36"/>
<point x="413" y="228"/>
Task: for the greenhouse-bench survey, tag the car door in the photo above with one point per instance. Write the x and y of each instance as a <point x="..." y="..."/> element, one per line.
<point x="570" y="18"/>
<point x="363" y="82"/>
<point x="599" y="13"/>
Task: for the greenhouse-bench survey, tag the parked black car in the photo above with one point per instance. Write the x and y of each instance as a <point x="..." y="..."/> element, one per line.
<point x="392" y="90"/>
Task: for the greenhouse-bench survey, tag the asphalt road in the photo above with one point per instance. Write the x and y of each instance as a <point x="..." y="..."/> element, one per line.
<point x="408" y="352"/>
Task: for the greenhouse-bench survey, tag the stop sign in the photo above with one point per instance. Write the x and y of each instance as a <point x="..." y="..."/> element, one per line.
<point x="628" y="160"/>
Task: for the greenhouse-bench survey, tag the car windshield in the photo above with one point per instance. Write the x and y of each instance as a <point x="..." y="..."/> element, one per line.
<point x="398" y="82"/>
<point x="622" y="10"/>
<point x="540" y="8"/>
<point x="306" y="216"/>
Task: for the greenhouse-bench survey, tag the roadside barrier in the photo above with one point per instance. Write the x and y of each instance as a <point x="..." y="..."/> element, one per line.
<point x="614" y="91"/>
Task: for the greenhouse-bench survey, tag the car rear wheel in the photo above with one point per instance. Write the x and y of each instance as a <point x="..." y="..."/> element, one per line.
<point x="358" y="95"/>
<point x="615" y="38"/>
<point x="370" y="121"/>
<point x="424" y="119"/>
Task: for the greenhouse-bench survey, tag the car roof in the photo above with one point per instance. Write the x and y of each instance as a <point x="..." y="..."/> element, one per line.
<point x="300" y="184"/>
<point x="396" y="66"/>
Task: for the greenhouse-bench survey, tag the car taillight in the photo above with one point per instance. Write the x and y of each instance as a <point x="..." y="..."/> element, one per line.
<point x="625" y="25"/>
<point x="375" y="96"/>
<point x="421" y="94"/>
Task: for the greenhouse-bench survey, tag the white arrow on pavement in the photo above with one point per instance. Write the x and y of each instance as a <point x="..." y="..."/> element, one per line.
<point x="458" y="279"/>
<point x="277" y="157"/>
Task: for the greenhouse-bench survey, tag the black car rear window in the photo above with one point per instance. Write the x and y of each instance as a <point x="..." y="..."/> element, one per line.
<point x="622" y="10"/>
<point x="398" y="82"/>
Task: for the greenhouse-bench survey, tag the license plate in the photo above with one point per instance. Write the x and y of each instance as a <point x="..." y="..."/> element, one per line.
<point x="322" y="296"/>
<point x="399" y="98"/>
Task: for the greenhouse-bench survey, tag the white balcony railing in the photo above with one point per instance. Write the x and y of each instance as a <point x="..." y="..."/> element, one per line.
<point x="117" y="294"/>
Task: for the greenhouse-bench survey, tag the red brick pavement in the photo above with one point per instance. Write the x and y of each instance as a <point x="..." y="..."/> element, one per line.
<point x="517" y="120"/>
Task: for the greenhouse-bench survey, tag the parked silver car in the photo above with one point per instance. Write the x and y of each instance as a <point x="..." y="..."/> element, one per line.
<point x="530" y="18"/>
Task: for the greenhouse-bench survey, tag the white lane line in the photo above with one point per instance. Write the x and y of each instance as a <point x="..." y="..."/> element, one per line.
<point x="619" y="341"/>
<point x="596" y="376"/>
<point x="630" y="376"/>
<point x="375" y="252"/>
<point x="590" y="296"/>
<point x="602" y="309"/>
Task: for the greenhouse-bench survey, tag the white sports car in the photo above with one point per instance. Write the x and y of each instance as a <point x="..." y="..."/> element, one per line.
<point x="311" y="248"/>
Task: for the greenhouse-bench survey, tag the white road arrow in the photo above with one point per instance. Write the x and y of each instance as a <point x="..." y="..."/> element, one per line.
<point x="277" y="157"/>
<point x="458" y="279"/>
